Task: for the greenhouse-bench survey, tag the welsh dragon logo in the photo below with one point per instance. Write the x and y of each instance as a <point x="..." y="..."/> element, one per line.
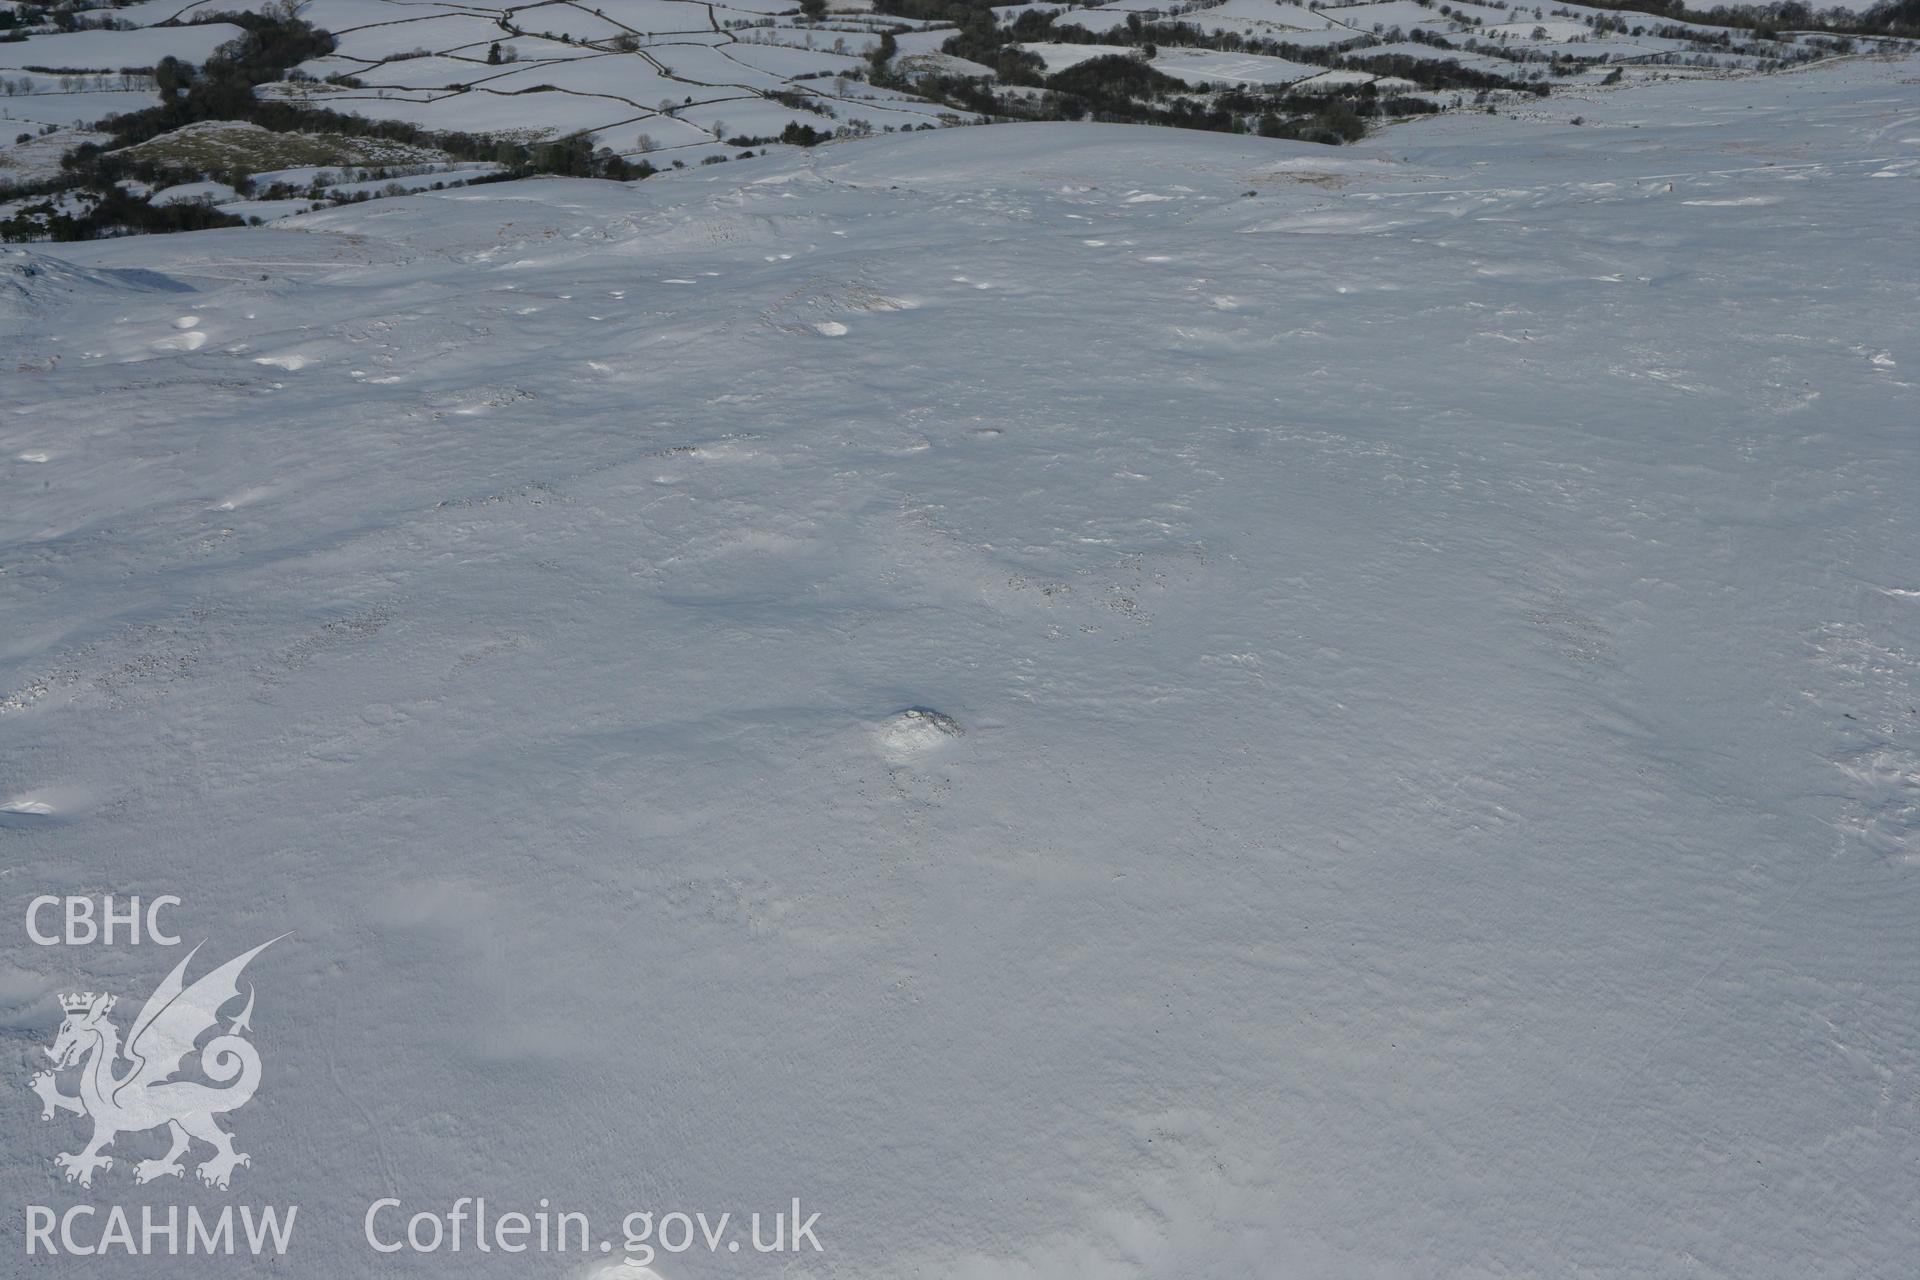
<point x="143" y="1094"/>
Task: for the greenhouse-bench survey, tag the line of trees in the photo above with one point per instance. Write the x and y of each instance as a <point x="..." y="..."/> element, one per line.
<point x="1893" y="18"/>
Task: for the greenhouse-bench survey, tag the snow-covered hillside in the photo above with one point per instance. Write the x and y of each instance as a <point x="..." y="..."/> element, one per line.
<point x="1421" y="637"/>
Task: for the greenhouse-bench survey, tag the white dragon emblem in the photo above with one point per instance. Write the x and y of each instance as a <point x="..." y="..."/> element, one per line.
<point x="145" y="1095"/>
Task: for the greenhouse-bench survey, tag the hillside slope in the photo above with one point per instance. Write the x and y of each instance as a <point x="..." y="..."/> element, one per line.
<point x="1423" y="638"/>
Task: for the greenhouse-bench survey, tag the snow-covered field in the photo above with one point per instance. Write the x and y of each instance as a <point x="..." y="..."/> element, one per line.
<point x="1424" y="780"/>
<point x="106" y="50"/>
<point x="1059" y="57"/>
<point x="672" y="79"/>
<point x="1205" y="66"/>
<point x="1194" y="66"/>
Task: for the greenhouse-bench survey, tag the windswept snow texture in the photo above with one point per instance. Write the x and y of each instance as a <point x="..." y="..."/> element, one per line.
<point x="1413" y="653"/>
